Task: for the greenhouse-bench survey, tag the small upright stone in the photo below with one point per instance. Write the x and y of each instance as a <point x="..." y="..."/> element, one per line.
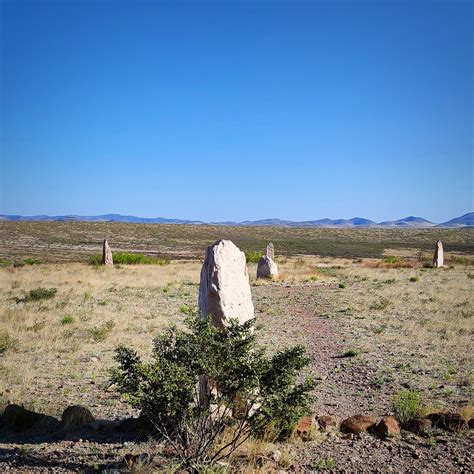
<point x="266" y="267"/>
<point x="107" y="258"/>
<point x="270" y="251"/>
<point x="438" y="259"/>
<point x="224" y="290"/>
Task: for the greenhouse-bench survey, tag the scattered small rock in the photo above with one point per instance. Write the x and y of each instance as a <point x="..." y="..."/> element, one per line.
<point x="305" y="425"/>
<point x="326" y="422"/>
<point x="448" y="421"/>
<point x="388" y="427"/>
<point x="275" y="455"/>
<point x="420" y="426"/>
<point x="16" y="417"/>
<point x="76" y="416"/>
<point x="357" y="424"/>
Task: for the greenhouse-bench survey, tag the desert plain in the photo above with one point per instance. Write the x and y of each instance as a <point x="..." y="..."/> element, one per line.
<point x="374" y="316"/>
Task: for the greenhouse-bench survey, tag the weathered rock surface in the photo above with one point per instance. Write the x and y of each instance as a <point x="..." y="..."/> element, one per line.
<point x="388" y="427"/>
<point x="326" y="422"/>
<point x="107" y="258"/>
<point x="76" y="416"/>
<point x="448" y="421"/>
<point x="267" y="268"/>
<point x="421" y="426"/>
<point x="224" y="291"/>
<point x="16" y="417"/>
<point x="357" y="424"/>
<point x="270" y="251"/>
<point x="438" y="259"/>
<point x="305" y="425"/>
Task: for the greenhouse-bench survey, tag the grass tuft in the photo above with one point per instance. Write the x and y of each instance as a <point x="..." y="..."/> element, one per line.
<point x="68" y="319"/>
<point x="37" y="294"/>
<point x="100" y="333"/>
<point x="253" y="257"/>
<point x="124" y="258"/>
<point x="406" y="405"/>
<point x="7" y="342"/>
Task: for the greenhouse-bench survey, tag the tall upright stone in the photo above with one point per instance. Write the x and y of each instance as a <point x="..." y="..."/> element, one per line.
<point x="224" y="291"/>
<point x="438" y="259"/>
<point x="107" y="258"/>
<point x="270" y="251"/>
<point x="266" y="267"/>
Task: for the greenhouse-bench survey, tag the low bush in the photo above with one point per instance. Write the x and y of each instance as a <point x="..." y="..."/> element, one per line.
<point x="203" y="383"/>
<point x="124" y="258"/>
<point x="100" y="333"/>
<point x="4" y="263"/>
<point x="7" y="342"/>
<point x="253" y="257"/>
<point x="414" y="279"/>
<point x="351" y="353"/>
<point x="406" y="405"/>
<point x="37" y="294"/>
<point x="32" y="261"/>
<point x="393" y="261"/>
<point x="68" y="319"/>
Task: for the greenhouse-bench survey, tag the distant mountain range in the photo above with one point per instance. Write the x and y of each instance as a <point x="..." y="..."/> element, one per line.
<point x="467" y="220"/>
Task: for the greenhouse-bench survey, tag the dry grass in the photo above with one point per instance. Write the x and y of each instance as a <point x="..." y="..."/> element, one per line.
<point x="64" y="345"/>
<point x="56" y="364"/>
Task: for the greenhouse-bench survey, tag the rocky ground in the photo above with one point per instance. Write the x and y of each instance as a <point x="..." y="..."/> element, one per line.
<point x="370" y="332"/>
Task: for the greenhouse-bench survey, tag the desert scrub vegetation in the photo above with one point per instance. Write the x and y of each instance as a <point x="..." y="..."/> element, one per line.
<point x="99" y="333"/>
<point x="253" y="257"/>
<point x="7" y="342"/>
<point x="393" y="261"/>
<point x="67" y="319"/>
<point x="203" y="384"/>
<point x="124" y="258"/>
<point x="406" y="405"/>
<point x="81" y="239"/>
<point x="37" y="294"/>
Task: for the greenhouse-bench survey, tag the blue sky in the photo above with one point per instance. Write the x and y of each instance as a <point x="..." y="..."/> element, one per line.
<point x="237" y="110"/>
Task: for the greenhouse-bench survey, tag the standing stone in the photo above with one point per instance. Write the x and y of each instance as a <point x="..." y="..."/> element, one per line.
<point x="270" y="251"/>
<point x="266" y="267"/>
<point x="107" y="258"/>
<point x="438" y="259"/>
<point x="224" y="290"/>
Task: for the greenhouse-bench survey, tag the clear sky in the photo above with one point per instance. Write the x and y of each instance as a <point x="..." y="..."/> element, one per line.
<point x="237" y="110"/>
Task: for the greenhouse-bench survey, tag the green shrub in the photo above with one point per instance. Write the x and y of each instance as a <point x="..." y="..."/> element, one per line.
<point x="68" y="319"/>
<point x="32" y="261"/>
<point x="414" y="279"/>
<point x="406" y="405"/>
<point x="393" y="261"/>
<point x="38" y="294"/>
<point x="95" y="260"/>
<point x="188" y="310"/>
<point x="7" y="342"/>
<point x="253" y="257"/>
<point x="123" y="258"/>
<point x="342" y="285"/>
<point x="100" y="333"/>
<point x="252" y="394"/>
<point x="351" y="353"/>
<point x="4" y="263"/>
